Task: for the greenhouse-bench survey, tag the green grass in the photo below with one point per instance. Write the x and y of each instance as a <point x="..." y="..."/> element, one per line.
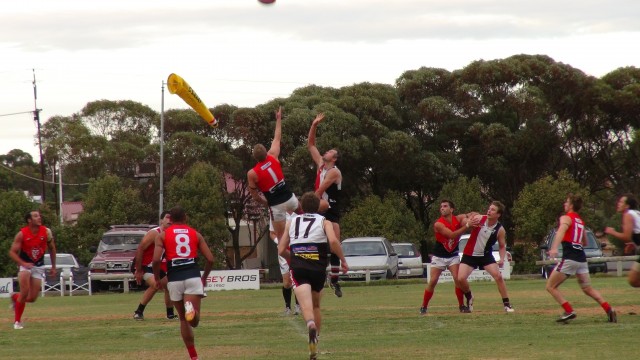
<point x="370" y="322"/>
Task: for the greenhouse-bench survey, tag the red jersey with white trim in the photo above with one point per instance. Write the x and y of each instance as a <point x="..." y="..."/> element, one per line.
<point x="34" y="245"/>
<point x="147" y="255"/>
<point x="181" y="250"/>
<point x="271" y="181"/>
<point x="482" y="238"/>
<point x="445" y="247"/>
<point x="572" y="239"/>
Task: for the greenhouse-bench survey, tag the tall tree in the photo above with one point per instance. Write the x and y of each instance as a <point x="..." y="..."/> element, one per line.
<point x="199" y="192"/>
<point x="14" y="205"/>
<point x="19" y="172"/>
<point x="540" y="204"/>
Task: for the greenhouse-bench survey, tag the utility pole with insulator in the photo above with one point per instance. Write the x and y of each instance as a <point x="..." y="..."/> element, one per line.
<point x="36" y="118"/>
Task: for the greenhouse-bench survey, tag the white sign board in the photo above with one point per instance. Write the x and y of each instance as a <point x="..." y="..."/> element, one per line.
<point x="6" y="287"/>
<point x="445" y="276"/>
<point x="233" y="280"/>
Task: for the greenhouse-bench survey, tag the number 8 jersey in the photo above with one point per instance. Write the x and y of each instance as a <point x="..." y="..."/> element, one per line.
<point x="181" y="251"/>
<point x="308" y="242"/>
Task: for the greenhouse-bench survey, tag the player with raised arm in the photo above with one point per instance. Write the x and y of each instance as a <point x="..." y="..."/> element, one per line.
<point x="328" y="187"/>
<point x="266" y="177"/>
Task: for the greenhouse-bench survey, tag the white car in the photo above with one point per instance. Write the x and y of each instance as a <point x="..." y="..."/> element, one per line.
<point x="494" y="250"/>
<point x="63" y="261"/>
<point x="373" y="254"/>
<point x="409" y="260"/>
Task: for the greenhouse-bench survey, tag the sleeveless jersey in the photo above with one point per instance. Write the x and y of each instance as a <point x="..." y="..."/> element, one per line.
<point x="482" y="239"/>
<point x="572" y="240"/>
<point x="147" y="255"/>
<point x="34" y="245"/>
<point x="271" y="181"/>
<point x="635" y="234"/>
<point x="308" y="242"/>
<point x="331" y="194"/>
<point x="445" y="247"/>
<point x="181" y="252"/>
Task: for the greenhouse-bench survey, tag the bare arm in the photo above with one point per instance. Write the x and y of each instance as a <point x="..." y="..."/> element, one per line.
<point x="148" y="240"/>
<point x="565" y="222"/>
<point x="277" y="136"/>
<point x="333" y="176"/>
<point x="51" y="245"/>
<point x="334" y="244"/>
<point x="14" y="251"/>
<point x="157" y="257"/>
<point x="252" y="179"/>
<point x="439" y="228"/>
<point x="502" y="243"/>
<point x="627" y="229"/>
<point x="283" y="244"/>
<point x="311" y="140"/>
<point x="206" y="252"/>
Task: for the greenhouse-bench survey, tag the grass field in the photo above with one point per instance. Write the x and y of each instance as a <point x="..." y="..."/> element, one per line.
<point x="378" y="321"/>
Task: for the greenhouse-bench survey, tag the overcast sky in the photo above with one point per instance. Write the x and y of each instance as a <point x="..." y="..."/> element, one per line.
<point x="244" y="53"/>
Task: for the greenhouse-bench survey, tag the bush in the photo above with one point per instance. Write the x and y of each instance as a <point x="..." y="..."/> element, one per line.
<point x="525" y="256"/>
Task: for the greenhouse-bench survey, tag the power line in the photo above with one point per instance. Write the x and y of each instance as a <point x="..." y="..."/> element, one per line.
<point x="44" y="181"/>
<point x="18" y="113"/>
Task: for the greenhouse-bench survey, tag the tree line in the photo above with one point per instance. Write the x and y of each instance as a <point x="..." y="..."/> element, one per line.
<point x="524" y="130"/>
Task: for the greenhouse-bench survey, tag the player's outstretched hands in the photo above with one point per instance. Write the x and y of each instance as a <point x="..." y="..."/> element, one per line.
<point x="474" y="221"/>
<point x="318" y="119"/>
<point x="279" y="113"/>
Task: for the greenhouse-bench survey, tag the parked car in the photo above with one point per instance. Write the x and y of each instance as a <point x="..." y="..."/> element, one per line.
<point x="593" y="249"/>
<point x="369" y="251"/>
<point x="63" y="261"/>
<point x="495" y="250"/>
<point x="409" y="260"/>
<point x="116" y="251"/>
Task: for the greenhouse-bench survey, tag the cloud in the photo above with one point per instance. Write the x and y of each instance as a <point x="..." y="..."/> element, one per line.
<point x="74" y="26"/>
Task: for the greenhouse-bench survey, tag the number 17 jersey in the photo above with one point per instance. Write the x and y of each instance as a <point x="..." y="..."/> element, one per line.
<point x="308" y="242"/>
<point x="181" y="252"/>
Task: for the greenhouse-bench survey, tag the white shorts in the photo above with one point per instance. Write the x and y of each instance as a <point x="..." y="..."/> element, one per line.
<point x="284" y="265"/>
<point x="444" y="263"/>
<point x="37" y="272"/>
<point x="279" y="212"/>
<point x="571" y="267"/>
<point x="192" y="286"/>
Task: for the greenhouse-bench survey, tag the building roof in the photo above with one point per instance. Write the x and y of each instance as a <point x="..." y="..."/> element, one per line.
<point x="71" y="210"/>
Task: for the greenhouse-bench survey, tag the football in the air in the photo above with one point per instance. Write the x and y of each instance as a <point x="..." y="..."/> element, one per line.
<point x="267" y="2"/>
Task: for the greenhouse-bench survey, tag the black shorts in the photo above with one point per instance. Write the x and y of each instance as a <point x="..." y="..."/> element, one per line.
<point x="149" y="270"/>
<point x="478" y="262"/>
<point x="332" y="216"/>
<point x="315" y="278"/>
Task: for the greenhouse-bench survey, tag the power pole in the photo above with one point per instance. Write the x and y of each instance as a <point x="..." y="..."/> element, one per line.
<point x="36" y="118"/>
<point x="161" y="200"/>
